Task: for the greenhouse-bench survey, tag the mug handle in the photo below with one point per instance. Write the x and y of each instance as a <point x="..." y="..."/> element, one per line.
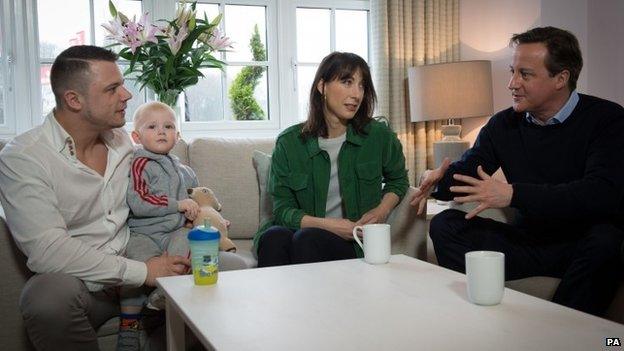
<point x="355" y="236"/>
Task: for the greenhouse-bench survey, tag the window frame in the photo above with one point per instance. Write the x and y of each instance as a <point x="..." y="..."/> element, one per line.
<point x="25" y="99"/>
<point x="7" y="64"/>
<point x="289" y="35"/>
<point x="247" y="127"/>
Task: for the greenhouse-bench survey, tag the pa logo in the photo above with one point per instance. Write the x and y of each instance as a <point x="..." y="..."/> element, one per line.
<point x="613" y="342"/>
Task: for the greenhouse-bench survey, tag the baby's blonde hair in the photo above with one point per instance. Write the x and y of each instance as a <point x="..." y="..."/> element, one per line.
<point x="150" y="107"/>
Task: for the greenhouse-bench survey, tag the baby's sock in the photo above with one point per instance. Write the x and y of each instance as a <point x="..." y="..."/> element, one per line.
<point x="130" y="330"/>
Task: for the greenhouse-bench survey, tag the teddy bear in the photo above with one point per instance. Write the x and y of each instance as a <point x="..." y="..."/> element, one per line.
<point x="209" y="209"/>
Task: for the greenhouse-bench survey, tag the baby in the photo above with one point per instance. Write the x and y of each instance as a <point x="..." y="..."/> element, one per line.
<point x="159" y="207"/>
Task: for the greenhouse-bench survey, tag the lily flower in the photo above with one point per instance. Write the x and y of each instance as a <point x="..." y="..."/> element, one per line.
<point x="218" y="41"/>
<point x="114" y="29"/>
<point x="184" y="38"/>
<point x="184" y="14"/>
<point x="175" y="41"/>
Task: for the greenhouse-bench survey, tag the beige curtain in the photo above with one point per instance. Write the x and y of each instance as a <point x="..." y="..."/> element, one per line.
<point x="407" y="33"/>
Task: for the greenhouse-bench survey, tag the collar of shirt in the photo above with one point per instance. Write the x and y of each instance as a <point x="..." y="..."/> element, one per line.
<point x="351" y="136"/>
<point x="64" y="143"/>
<point x="561" y="115"/>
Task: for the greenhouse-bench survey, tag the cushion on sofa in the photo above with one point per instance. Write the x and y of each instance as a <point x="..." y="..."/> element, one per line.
<point x="225" y="165"/>
<point x="181" y="150"/>
<point x="262" y="164"/>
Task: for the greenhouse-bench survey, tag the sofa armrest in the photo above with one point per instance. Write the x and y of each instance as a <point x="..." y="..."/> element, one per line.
<point x="14" y="275"/>
<point x="408" y="230"/>
<point x="505" y="215"/>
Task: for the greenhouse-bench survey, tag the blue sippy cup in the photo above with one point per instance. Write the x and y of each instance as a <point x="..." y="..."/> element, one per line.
<point x="204" y="244"/>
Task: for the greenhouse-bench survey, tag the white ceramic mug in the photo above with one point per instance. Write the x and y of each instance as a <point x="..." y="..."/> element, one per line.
<point x="485" y="277"/>
<point x="376" y="245"/>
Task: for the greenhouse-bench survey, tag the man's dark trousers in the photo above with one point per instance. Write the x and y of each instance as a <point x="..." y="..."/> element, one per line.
<point x="587" y="259"/>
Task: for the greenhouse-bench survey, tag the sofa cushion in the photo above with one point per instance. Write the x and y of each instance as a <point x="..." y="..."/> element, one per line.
<point x="262" y="164"/>
<point x="181" y="151"/>
<point x="225" y="165"/>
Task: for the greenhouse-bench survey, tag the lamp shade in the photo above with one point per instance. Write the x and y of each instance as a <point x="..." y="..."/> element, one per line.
<point x="450" y="90"/>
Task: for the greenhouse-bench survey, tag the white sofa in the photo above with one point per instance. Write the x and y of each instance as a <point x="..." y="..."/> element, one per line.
<point x="225" y="165"/>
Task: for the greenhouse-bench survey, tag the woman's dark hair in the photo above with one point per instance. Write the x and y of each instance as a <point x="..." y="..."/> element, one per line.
<point x="338" y="66"/>
<point x="563" y="48"/>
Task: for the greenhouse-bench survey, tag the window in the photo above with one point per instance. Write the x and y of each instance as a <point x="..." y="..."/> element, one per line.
<point x="289" y="38"/>
<point x="321" y="31"/>
<point x="4" y="68"/>
<point x="2" y="75"/>
<point x="241" y="91"/>
<point x="60" y="27"/>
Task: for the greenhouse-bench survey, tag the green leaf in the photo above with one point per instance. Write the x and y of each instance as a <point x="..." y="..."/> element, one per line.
<point x="112" y="9"/>
<point x="216" y="20"/>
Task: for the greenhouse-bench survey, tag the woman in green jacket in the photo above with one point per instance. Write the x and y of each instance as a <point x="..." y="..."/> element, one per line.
<point x="337" y="170"/>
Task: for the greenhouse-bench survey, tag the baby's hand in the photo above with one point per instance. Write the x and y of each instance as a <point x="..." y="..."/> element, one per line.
<point x="189" y="207"/>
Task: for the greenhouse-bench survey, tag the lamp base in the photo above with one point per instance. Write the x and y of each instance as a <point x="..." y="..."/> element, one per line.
<point x="453" y="149"/>
<point x="451" y="132"/>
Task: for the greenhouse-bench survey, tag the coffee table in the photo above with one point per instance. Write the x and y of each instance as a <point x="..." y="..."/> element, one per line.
<point x="406" y="304"/>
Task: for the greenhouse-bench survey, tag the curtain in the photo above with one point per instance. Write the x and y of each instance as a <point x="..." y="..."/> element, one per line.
<point x="408" y="33"/>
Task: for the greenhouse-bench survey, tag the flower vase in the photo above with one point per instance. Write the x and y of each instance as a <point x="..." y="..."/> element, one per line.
<point x="175" y="99"/>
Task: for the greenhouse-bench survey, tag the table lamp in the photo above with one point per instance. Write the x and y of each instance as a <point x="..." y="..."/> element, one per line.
<point x="446" y="91"/>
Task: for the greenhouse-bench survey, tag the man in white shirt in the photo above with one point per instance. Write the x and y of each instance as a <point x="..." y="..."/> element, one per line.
<point x="63" y="187"/>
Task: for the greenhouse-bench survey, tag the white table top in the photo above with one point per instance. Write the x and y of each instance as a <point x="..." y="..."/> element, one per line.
<point x="406" y="304"/>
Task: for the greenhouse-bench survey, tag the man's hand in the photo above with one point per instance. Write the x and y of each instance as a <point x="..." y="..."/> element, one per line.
<point x="189" y="207"/>
<point x="487" y="192"/>
<point x="164" y="266"/>
<point x="428" y="181"/>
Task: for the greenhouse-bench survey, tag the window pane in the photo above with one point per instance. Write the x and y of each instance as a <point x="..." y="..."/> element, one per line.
<point x="101" y="15"/>
<point x="305" y="77"/>
<point x="1" y="94"/>
<point x="138" y="97"/>
<point x="247" y="93"/>
<point x="62" y="25"/>
<point x="204" y="100"/>
<point x="47" y="98"/>
<point x="352" y="32"/>
<point x="313" y="40"/>
<point x="211" y="11"/>
<point x="2" y="65"/>
<point x="240" y="24"/>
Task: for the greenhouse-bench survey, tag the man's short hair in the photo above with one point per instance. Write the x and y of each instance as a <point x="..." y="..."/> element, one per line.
<point x="71" y="69"/>
<point x="563" y="48"/>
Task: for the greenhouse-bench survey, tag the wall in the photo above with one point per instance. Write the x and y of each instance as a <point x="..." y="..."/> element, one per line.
<point x="487" y="25"/>
<point x="605" y="50"/>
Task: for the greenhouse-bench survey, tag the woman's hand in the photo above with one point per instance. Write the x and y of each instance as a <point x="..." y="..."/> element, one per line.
<point x="378" y="214"/>
<point x="341" y="227"/>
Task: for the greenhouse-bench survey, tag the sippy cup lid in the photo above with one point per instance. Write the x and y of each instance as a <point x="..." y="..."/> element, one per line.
<point x="203" y="232"/>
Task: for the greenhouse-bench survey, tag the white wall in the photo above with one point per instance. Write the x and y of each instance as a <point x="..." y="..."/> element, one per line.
<point x="487" y="25"/>
<point x="604" y="58"/>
